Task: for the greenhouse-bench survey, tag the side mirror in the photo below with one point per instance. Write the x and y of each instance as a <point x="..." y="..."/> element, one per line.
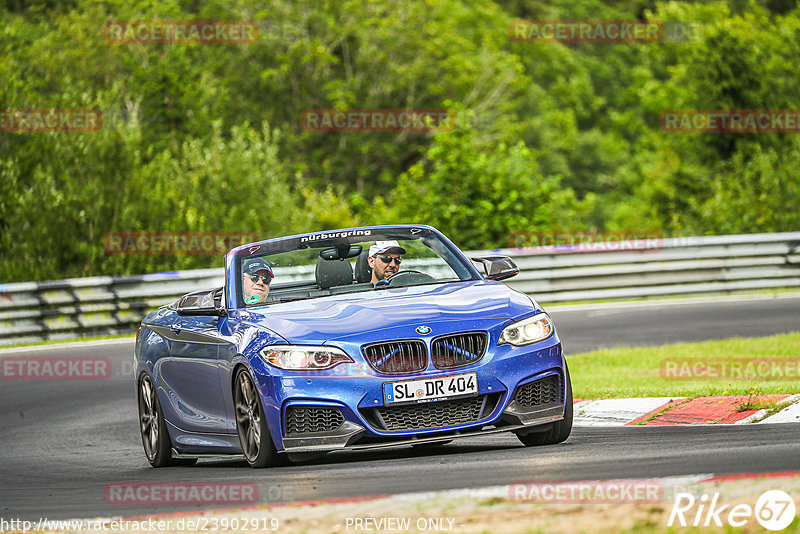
<point x="498" y="267"/>
<point x="202" y="303"/>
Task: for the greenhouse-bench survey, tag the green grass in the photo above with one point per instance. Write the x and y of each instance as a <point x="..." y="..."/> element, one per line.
<point x="755" y="403"/>
<point x="636" y="372"/>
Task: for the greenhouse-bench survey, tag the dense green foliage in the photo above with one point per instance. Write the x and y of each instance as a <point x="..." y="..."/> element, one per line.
<point x="207" y="137"/>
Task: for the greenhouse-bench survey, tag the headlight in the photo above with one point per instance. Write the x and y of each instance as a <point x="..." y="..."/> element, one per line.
<point x="528" y="331"/>
<point x="303" y="357"/>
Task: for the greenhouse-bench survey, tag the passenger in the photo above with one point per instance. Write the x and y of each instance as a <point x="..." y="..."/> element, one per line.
<point x="256" y="277"/>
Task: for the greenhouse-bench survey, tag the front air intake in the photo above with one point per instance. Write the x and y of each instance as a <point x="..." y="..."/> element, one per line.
<point x="397" y="357"/>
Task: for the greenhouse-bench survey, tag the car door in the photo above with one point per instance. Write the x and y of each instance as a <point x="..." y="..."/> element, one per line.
<point x="189" y="377"/>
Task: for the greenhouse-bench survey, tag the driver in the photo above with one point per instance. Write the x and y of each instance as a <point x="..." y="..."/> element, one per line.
<point x="256" y="277"/>
<point x="384" y="259"/>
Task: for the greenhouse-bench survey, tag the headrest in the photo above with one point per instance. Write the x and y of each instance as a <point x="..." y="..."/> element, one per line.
<point x="363" y="272"/>
<point x="333" y="273"/>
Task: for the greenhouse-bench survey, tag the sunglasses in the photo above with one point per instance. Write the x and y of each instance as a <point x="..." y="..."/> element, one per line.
<point x="266" y="278"/>
<point x="388" y="259"/>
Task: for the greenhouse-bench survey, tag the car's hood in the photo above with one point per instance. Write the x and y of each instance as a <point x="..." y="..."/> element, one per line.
<point x="318" y="320"/>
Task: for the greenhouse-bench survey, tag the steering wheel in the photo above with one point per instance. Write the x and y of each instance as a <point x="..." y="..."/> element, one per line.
<point x="408" y="277"/>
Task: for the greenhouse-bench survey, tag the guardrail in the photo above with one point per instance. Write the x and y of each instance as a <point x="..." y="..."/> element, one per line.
<point x="35" y="311"/>
<point x="677" y="266"/>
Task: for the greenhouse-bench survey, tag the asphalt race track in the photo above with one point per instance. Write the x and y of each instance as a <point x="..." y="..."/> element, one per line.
<point x="62" y="442"/>
<point x="674" y="321"/>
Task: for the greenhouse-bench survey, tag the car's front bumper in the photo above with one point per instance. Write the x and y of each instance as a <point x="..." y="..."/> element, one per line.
<point x="331" y="443"/>
<point x="357" y="394"/>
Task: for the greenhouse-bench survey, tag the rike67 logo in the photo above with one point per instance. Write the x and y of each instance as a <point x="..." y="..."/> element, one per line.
<point x="774" y="510"/>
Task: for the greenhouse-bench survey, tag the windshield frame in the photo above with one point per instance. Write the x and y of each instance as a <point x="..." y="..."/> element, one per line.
<point x="234" y="258"/>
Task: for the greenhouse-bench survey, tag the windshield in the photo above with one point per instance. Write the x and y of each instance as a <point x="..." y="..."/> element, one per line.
<point x="345" y="261"/>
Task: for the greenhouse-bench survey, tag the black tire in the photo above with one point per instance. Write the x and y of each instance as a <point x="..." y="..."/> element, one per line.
<point x="152" y="427"/>
<point x="560" y="430"/>
<point x="251" y="425"/>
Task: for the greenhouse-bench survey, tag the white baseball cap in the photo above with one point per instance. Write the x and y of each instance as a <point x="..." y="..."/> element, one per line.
<point x="381" y="247"/>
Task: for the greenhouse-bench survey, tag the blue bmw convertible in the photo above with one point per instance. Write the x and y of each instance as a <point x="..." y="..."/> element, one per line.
<point x="348" y="340"/>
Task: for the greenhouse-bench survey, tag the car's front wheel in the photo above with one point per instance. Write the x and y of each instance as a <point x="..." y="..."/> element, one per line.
<point x="254" y="438"/>
<point x="560" y="430"/>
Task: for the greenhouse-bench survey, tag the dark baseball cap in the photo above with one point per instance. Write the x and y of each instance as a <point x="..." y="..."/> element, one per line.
<point x="254" y="265"/>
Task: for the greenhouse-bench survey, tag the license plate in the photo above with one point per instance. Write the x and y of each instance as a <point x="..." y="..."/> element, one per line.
<point x="427" y="389"/>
